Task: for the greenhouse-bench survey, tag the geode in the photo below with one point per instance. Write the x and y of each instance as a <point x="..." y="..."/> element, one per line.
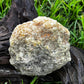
<point x="39" y="47"/>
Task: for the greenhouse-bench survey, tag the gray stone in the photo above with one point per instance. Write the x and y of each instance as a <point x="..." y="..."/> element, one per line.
<point x="39" y="47"/>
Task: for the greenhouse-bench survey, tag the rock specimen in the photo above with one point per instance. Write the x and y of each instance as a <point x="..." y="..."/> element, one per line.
<point x="39" y="47"/>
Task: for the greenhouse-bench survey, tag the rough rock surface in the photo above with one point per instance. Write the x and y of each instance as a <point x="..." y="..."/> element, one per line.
<point x="39" y="47"/>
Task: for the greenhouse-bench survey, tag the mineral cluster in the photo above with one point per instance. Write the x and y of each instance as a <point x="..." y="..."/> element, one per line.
<point x="39" y="47"/>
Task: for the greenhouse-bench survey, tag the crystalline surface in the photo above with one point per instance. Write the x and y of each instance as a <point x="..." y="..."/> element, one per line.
<point x="39" y="47"/>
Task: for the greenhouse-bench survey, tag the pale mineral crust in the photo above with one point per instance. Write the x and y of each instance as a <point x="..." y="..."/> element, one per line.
<point x="39" y="47"/>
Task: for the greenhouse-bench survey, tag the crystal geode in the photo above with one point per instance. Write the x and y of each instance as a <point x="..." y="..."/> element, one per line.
<point x="39" y="47"/>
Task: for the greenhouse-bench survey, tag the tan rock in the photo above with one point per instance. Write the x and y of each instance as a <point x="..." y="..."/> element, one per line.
<point x="39" y="47"/>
